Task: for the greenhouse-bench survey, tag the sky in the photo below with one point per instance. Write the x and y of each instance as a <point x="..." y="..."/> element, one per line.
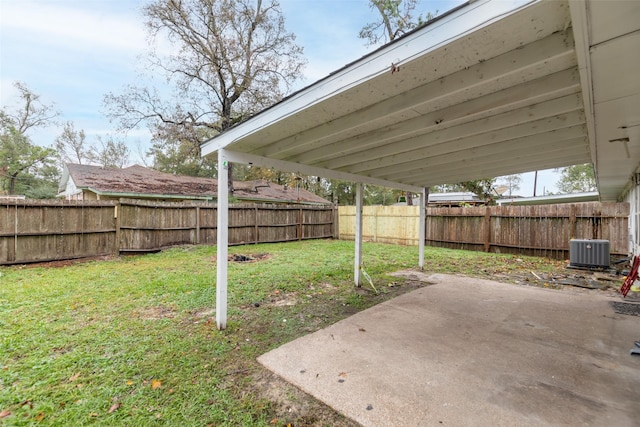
<point x="74" y="52"/>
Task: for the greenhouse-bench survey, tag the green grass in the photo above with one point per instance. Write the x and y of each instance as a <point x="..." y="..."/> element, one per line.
<point x="133" y="341"/>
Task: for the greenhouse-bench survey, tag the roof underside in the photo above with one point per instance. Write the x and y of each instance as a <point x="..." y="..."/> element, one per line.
<point x="491" y="89"/>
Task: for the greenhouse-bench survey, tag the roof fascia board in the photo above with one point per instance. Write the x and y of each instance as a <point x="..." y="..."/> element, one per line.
<point x="580" y="24"/>
<point x="147" y="196"/>
<point x="455" y="26"/>
<point x="281" y="201"/>
<point x="591" y="196"/>
<point x="282" y="165"/>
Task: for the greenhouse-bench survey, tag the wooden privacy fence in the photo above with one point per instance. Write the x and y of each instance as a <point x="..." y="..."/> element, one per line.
<point x="37" y="231"/>
<point x="543" y="230"/>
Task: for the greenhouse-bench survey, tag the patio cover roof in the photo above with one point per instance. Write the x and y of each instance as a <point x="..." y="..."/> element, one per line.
<point x="488" y="89"/>
<point x="491" y="88"/>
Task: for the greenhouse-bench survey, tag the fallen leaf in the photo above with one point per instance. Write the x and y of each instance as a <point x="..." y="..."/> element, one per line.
<point x="114" y="408"/>
<point x="362" y="330"/>
<point x="274" y="421"/>
<point x="40" y="417"/>
<point x="28" y="403"/>
<point x="4" y="413"/>
<point x="342" y="374"/>
<point x="74" y="377"/>
<point x="93" y="414"/>
<point x="155" y="384"/>
<point x="62" y="405"/>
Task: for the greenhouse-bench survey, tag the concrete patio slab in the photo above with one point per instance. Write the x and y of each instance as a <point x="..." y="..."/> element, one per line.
<point x="474" y="352"/>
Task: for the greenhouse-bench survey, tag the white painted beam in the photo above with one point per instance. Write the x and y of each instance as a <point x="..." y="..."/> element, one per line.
<point x="285" y="166"/>
<point x="357" y="270"/>
<point x="222" y="231"/>
<point x="580" y="28"/>
<point x="424" y="199"/>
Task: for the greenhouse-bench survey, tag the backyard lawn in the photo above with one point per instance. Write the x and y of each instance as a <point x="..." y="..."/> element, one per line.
<point x="133" y="340"/>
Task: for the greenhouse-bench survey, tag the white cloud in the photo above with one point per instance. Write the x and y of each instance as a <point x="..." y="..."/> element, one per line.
<point x="77" y="25"/>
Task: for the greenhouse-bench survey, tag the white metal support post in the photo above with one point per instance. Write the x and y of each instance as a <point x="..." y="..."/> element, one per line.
<point x="424" y="198"/>
<point x="223" y="240"/>
<point x="358" y="237"/>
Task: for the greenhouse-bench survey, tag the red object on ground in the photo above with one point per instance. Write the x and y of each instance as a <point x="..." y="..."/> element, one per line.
<point x="631" y="277"/>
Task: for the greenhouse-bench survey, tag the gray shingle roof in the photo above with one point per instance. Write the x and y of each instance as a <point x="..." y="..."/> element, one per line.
<point x="140" y="180"/>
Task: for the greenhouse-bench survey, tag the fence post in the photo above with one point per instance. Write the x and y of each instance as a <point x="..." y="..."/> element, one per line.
<point x="116" y="215"/>
<point x="257" y="228"/>
<point x="15" y="236"/>
<point x="487" y="229"/>
<point x="375" y="223"/>
<point x="300" y="223"/>
<point x="197" y="225"/>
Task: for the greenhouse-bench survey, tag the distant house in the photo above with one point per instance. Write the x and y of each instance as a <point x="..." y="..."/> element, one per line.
<point x="86" y="182"/>
<point x="453" y="199"/>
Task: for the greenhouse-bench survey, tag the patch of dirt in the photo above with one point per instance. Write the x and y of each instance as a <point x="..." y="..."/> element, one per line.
<point x="248" y="257"/>
<point x="293" y="406"/>
<point x="67" y="262"/>
<point x="155" y="313"/>
<point x="204" y="313"/>
<point x="565" y="279"/>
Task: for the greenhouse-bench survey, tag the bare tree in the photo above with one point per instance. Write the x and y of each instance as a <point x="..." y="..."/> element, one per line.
<point x="31" y="113"/>
<point x="397" y="17"/>
<point x="512" y="182"/>
<point x="71" y="145"/>
<point x="110" y="153"/>
<point x="230" y="59"/>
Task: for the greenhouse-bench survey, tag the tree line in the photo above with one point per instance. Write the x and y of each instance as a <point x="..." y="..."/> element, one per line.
<point x="229" y="60"/>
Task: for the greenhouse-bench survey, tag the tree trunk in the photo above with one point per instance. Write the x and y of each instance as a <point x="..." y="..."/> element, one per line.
<point x="12" y="184"/>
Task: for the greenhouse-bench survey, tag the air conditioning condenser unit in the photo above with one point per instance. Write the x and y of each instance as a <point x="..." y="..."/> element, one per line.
<point x="589" y="253"/>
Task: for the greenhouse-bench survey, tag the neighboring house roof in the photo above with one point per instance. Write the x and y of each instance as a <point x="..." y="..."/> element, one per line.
<point x="547" y="200"/>
<point x="457" y="196"/>
<point x="142" y="182"/>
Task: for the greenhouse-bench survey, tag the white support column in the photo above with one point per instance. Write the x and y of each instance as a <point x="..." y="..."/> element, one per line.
<point x="424" y="198"/>
<point x="358" y="237"/>
<point x="223" y="240"/>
